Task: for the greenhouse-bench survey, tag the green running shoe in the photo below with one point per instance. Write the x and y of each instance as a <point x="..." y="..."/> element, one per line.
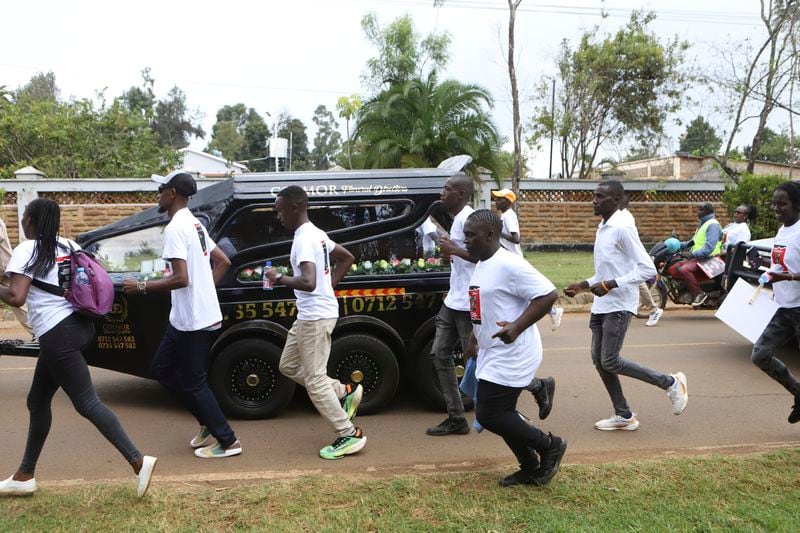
<point x="352" y="399"/>
<point x="344" y="446"/>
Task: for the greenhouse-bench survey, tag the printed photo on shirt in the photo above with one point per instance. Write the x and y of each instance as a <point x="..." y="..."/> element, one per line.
<point x="779" y="256"/>
<point x="475" y="304"/>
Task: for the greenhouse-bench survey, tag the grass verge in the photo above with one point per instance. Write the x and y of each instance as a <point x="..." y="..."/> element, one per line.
<point x="562" y="268"/>
<point x="751" y="492"/>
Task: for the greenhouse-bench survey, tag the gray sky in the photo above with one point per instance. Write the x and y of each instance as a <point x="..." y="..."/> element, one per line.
<point x="294" y="55"/>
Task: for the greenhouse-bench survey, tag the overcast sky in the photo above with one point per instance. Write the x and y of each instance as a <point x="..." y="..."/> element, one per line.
<point x="294" y="55"/>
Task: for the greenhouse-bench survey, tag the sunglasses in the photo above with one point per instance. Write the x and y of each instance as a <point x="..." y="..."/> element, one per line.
<point x="162" y="188"/>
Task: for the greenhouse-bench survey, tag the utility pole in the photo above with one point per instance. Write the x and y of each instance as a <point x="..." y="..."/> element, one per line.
<point x="552" y="128"/>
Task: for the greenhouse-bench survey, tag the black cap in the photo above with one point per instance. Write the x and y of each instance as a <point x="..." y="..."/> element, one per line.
<point x="180" y="180"/>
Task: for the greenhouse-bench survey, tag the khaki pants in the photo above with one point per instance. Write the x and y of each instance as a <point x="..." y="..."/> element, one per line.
<point x="305" y="361"/>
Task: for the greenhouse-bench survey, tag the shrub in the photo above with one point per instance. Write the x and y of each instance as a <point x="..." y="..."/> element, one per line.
<point x="757" y="191"/>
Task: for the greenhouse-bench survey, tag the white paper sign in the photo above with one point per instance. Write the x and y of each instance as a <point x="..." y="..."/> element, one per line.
<point x="747" y="309"/>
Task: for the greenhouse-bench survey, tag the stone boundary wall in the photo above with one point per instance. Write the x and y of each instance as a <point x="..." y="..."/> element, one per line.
<point x="550" y="211"/>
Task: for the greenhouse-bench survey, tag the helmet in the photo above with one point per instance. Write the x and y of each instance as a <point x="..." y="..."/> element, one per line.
<point x="672" y="244"/>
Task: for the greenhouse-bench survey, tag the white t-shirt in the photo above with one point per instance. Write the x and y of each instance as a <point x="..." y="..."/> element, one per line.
<point x="501" y="288"/>
<point x="734" y="233"/>
<point x="510" y="225"/>
<point x="461" y="270"/>
<point x="195" y="306"/>
<point x="786" y="258"/>
<point x="45" y="310"/>
<point x="312" y="245"/>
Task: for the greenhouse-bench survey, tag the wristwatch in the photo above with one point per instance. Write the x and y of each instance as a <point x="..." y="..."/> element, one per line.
<point x="141" y="286"/>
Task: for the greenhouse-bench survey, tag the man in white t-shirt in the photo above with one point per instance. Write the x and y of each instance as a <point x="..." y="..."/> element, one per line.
<point x="180" y="361"/>
<point x="452" y="322"/>
<point x="308" y="344"/>
<point x="507" y="297"/>
<point x="5" y="255"/>
<point x="542" y="389"/>
<point x="620" y="265"/>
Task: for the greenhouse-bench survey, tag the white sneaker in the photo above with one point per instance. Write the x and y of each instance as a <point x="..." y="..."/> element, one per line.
<point x="217" y="451"/>
<point x="654" y="316"/>
<point x="203" y="438"/>
<point x="678" y="393"/>
<point x="145" y="475"/>
<point x="618" y="422"/>
<point x="11" y="487"/>
<point x="556" y="318"/>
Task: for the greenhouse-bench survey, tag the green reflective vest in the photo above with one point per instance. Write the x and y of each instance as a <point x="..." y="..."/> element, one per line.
<point x="700" y="237"/>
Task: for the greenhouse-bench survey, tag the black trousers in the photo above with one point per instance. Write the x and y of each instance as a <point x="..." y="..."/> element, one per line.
<point x="496" y="411"/>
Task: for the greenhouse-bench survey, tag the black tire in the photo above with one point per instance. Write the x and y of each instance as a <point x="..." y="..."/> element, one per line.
<point x="368" y="361"/>
<point x="247" y="382"/>
<point x="428" y="382"/>
<point x="659" y="294"/>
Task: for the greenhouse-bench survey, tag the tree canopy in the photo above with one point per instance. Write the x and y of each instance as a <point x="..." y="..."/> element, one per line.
<point x="327" y="141"/>
<point x="421" y="122"/>
<point x="700" y="138"/>
<point x="402" y="53"/>
<point x="240" y="134"/>
<point x="611" y="88"/>
<point x="775" y="148"/>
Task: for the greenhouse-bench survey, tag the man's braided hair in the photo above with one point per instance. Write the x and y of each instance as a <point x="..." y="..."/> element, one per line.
<point x="488" y="217"/>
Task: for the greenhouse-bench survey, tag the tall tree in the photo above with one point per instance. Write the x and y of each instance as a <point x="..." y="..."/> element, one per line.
<point x="774" y="147"/>
<point x="700" y="138"/>
<point x="41" y="87"/>
<point x="327" y="141"/>
<point x="512" y="77"/>
<point x="294" y="130"/>
<point x="421" y="122"/>
<point x="348" y="107"/>
<point x="240" y="134"/>
<point x="402" y="53"/>
<point x="617" y="88"/>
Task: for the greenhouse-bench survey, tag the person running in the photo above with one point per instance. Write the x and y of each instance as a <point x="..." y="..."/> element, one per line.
<point x="308" y="344"/>
<point x="738" y="230"/>
<point x="542" y="389"/>
<point x="63" y="334"/>
<point x="706" y="244"/>
<point x="180" y="360"/>
<point x="510" y="239"/>
<point x="507" y="297"/>
<point x="452" y="322"/>
<point x="784" y="274"/>
<point x="620" y="265"/>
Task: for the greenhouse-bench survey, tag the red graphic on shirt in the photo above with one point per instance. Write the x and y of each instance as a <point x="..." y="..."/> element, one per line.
<point x="779" y="256"/>
<point x="64" y="269"/>
<point x="475" y="304"/>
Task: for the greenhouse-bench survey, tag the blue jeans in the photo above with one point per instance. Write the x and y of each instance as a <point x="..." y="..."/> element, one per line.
<point x="608" y="334"/>
<point x="783" y="326"/>
<point x="180" y="366"/>
<point x="61" y="364"/>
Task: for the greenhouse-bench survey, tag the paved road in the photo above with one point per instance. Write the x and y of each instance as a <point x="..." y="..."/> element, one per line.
<point x="733" y="407"/>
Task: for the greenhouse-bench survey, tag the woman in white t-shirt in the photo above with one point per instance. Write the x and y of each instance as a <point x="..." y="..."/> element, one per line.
<point x="62" y="335"/>
<point x="785" y="278"/>
<point x="738" y="230"/>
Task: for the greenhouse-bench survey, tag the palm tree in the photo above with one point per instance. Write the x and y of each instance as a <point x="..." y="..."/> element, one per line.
<point x="421" y="122"/>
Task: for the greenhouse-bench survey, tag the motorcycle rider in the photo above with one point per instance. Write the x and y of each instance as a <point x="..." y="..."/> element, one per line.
<point x="706" y="244"/>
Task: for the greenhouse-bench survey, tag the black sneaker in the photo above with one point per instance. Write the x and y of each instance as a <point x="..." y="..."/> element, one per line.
<point x="451" y="426"/>
<point x="544" y="397"/>
<point x="550" y="460"/>
<point x="700" y="299"/>
<point x="520" y="477"/>
<point x="794" y="414"/>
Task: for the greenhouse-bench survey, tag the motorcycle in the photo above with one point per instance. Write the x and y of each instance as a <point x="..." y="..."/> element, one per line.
<point x="664" y="287"/>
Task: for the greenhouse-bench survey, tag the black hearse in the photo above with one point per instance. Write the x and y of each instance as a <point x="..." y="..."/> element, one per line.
<point x="387" y="301"/>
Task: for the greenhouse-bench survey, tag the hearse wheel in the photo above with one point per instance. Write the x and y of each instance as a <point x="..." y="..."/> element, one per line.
<point x="247" y="382"/>
<point x="368" y="361"/>
<point x="428" y="382"/>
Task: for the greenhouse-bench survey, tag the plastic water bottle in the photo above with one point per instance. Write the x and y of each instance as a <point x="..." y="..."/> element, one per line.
<point x="265" y="281"/>
<point x="763" y="279"/>
<point x="81" y="277"/>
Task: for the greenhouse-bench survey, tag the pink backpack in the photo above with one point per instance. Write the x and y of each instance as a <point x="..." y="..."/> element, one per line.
<point x="94" y="298"/>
